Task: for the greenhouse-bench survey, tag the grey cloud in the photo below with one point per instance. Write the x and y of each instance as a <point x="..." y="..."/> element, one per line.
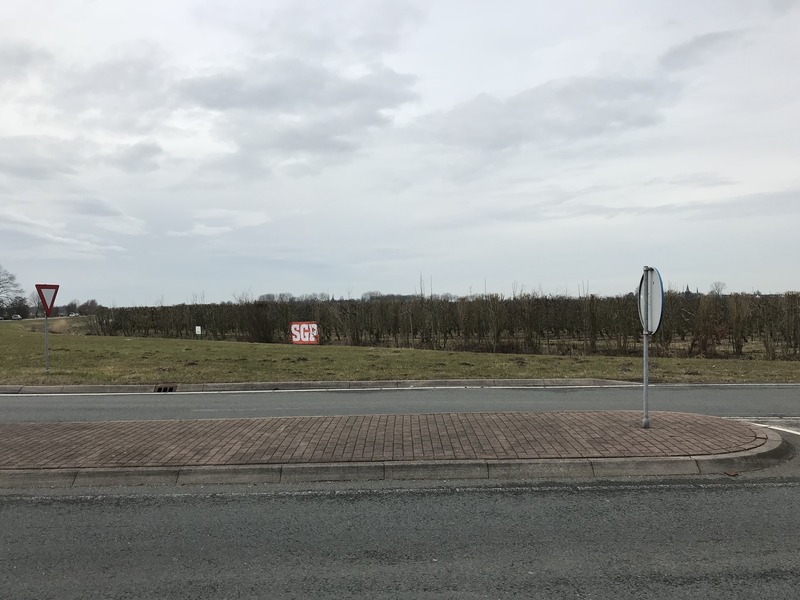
<point x="277" y="85"/>
<point x="289" y="106"/>
<point x="286" y="103"/>
<point x="54" y="239"/>
<point x="555" y="204"/>
<point x="130" y="92"/>
<point x="124" y="76"/>
<point x="102" y="216"/>
<point x="290" y="85"/>
<point x="784" y="6"/>
<point x="692" y="180"/>
<point x="37" y="168"/>
<point x="373" y="29"/>
<point x="92" y="207"/>
<point x="769" y="205"/>
<point x="36" y="157"/>
<point x="385" y="24"/>
<point x="321" y="137"/>
<point x="221" y="221"/>
<point x="558" y="111"/>
<point x="781" y="204"/>
<point x="216" y="170"/>
<point x="17" y="59"/>
<point x="330" y="133"/>
<point x="287" y="110"/>
<point x="547" y="203"/>
<point x="141" y="157"/>
<point x="698" y="49"/>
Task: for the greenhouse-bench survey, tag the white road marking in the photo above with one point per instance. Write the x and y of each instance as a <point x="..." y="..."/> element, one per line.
<point x="772" y="422"/>
<point x="784" y="429"/>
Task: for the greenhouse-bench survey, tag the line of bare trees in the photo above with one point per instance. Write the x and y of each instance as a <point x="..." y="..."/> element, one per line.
<point x="713" y="324"/>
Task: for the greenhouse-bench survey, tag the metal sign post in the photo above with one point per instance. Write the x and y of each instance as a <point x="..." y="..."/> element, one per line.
<point x="646" y="370"/>
<point x="651" y="308"/>
<point x="47" y="294"/>
<point x="46" y="347"/>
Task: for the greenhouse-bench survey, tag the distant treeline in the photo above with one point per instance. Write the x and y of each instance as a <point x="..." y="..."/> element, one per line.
<point x="713" y="324"/>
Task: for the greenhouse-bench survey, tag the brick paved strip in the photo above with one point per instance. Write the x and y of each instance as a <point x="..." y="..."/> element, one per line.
<point x="392" y="438"/>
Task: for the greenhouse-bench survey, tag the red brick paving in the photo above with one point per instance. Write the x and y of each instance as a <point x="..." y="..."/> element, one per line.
<point x="449" y="436"/>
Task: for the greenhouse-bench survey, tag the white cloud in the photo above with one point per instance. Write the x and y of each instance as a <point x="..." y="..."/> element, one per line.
<point x="49" y="241"/>
<point x="200" y="229"/>
<point x="236" y="218"/>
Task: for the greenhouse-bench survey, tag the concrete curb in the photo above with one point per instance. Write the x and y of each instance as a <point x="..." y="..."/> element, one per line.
<point x="625" y="467"/>
<point x="773" y="451"/>
<point x="129" y="476"/>
<point x="267" y="386"/>
<point x="234" y="474"/>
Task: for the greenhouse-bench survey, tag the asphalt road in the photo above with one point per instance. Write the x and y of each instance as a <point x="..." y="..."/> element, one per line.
<point x="698" y="537"/>
<point x="711" y="539"/>
<point x="751" y="400"/>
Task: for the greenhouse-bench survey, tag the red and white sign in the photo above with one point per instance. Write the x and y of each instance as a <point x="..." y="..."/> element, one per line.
<point x="305" y="333"/>
<point x="47" y="294"/>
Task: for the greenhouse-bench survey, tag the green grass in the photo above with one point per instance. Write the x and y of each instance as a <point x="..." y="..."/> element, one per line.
<point x="76" y="358"/>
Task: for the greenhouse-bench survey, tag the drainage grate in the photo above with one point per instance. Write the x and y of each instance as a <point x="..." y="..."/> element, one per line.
<point x="164" y="388"/>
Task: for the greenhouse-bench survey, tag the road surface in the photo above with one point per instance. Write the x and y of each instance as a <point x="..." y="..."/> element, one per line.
<point x="717" y="400"/>
<point x="700" y="539"/>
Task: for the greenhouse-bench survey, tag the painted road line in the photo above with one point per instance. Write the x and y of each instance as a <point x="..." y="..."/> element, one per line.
<point x="783" y="429"/>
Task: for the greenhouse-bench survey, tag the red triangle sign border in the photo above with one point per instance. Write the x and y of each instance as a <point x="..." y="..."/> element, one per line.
<point x="47" y="294"/>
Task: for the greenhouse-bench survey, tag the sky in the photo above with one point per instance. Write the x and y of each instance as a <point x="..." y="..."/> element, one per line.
<point x="159" y="152"/>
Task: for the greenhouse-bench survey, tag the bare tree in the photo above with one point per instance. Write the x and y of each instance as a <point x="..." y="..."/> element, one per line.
<point x="35" y="303"/>
<point x="9" y="288"/>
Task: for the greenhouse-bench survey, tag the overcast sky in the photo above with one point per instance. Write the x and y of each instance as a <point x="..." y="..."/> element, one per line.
<point x="166" y="152"/>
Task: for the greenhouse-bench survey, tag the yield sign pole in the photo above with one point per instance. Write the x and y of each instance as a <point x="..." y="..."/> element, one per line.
<point x="47" y="294"/>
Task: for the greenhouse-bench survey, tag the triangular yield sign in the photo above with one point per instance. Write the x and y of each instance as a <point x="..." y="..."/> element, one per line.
<point x="47" y="294"/>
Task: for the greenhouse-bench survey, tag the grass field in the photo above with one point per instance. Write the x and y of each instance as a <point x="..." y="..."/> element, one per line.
<point x="77" y="358"/>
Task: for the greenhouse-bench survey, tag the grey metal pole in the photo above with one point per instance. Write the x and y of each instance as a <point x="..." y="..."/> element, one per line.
<point x="46" y="353"/>
<point x="646" y="294"/>
<point x="646" y="418"/>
